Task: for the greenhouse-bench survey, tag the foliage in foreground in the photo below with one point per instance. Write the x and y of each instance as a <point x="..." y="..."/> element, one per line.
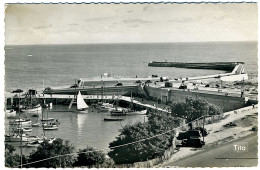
<point x="47" y="150"/>
<point x="147" y="149"/>
<point x="89" y="157"/>
<point x="192" y="109"/>
<point x="12" y="159"/>
<point x="158" y="123"/>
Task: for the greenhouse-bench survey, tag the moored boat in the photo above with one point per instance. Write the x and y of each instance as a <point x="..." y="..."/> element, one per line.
<point x="47" y="119"/>
<point x="81" y="105"/>
<point x="22" y="130"/>
<point x="21" y="122"/>
<point x="10" y="113"/>
<point x="51" y="127"/>
<point x="32" y="110"/>
<point x="112" y="119"/>
<point x="118" y="112"/>
<point x="30" y="104"/>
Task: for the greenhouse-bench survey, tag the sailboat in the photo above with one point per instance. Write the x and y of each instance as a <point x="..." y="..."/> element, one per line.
<point x="51" y="125"/>
<point x="37" y="124"/>
<point x="118" y="112"/>
<point x="31" y="104"/>
<point x="81" y="105"/>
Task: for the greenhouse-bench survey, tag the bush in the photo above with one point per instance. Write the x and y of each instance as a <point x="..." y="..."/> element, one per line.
<point x="89" y="157"/>
<point x="192" y="109"/>
<point x="47" y="150"/>
<point x="148" y="149"/>
<point x="12" y="159"/>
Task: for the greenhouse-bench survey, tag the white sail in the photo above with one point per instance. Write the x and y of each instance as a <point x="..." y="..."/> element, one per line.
<point x="80" y="102"/>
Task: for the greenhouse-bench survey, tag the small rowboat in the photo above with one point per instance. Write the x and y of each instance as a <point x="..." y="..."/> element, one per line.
<point x="25" y="129"/>
<point x="36" y="125"/>
<point x="50" y="127"/>
<point x="113" y="119"/>
<point x="47" y="119"/>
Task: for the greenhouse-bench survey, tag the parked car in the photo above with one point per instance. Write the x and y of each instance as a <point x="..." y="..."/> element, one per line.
<point x="168" y="84"/>
<point x="119" y="84"/>
<point x="47" y="88"/>
<point x="194" y="134"/>
<point x="230" y="124"/>
<point x="192" y="142"/>
<point x="74" y="86"/>
<point x="182" y="135"/>
<point x="189" y="134"/>
<point x="183" y="87"/>
<point x="138" y="81"/>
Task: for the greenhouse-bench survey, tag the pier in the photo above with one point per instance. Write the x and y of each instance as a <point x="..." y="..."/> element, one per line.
<point x="226" y="66"/>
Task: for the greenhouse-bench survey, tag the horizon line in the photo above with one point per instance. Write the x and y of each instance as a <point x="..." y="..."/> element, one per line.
<point x="133" y="43"/>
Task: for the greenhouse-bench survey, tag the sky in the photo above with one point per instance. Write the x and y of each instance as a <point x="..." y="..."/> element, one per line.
<point x="129" y="23"/>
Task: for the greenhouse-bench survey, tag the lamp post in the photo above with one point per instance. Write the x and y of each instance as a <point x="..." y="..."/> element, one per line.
<point x="20" y="126"/>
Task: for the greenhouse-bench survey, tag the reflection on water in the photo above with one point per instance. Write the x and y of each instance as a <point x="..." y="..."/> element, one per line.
<point x="81" y="129"/>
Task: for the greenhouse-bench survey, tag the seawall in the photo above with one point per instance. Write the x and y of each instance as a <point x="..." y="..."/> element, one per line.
<point x="226" y="103"/>
<point x="226" y="66"/>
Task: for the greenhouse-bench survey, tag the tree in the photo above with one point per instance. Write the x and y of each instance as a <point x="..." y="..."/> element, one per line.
<point x="47" y="150"/>
<point x="192" y="109"/>
<point x="12" y="159"/>
<point x="89" y="157"/>
<point x="148" y="149"/>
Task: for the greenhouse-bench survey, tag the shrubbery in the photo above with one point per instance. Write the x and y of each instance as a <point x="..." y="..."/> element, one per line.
<point x="148" y="149"/>
<point x="192" y="109"/>
<point x="87" y="157"/>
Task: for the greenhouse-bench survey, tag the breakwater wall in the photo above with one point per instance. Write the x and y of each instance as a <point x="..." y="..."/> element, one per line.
<point x="226" y="103"/>
<point x="226" y="66"/>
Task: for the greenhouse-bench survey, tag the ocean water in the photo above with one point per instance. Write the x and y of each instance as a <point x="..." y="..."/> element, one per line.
<point x="59" y="65"/>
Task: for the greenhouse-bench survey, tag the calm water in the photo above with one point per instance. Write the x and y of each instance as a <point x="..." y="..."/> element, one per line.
<point x="59" y="65"/>
<point x="81" y="129"/>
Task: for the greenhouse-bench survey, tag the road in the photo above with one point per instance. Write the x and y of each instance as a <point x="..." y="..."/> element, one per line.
<point x="222" y="156"/>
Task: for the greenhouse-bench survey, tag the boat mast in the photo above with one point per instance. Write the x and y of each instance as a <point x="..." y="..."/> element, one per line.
<point x="19" y="131"/>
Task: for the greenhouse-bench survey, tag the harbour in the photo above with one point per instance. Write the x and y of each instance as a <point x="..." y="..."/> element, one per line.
<point x="130" y="85"/>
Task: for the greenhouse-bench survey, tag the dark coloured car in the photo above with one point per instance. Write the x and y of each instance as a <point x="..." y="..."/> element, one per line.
<point x="230" y="124"/>
<point x="119" y="84"/>
<point x="183" y="87"/>
<point x="193" y="142"/>
<point x="148" y="81"/>
<point x="182" y="135"/>
<point x="47" y="89"/>
<point x="138" y="81"/>
<point x="168" y="84"/>
<point x="74" y="86"/>
<point x="194" y="133"/>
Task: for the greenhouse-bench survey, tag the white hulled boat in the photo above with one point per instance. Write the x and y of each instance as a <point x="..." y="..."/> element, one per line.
<point x="21" y="122"/>
<point x="81" y="105"/>
<point x="10" y="113"/>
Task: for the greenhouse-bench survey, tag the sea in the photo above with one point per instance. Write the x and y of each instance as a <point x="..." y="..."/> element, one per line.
<point x="41" y="66"/>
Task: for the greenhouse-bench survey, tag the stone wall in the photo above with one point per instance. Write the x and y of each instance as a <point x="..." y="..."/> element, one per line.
<point x="227" y="103"/>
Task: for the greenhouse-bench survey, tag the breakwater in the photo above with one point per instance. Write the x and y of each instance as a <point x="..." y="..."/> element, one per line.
<point x="226" y="66"/>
